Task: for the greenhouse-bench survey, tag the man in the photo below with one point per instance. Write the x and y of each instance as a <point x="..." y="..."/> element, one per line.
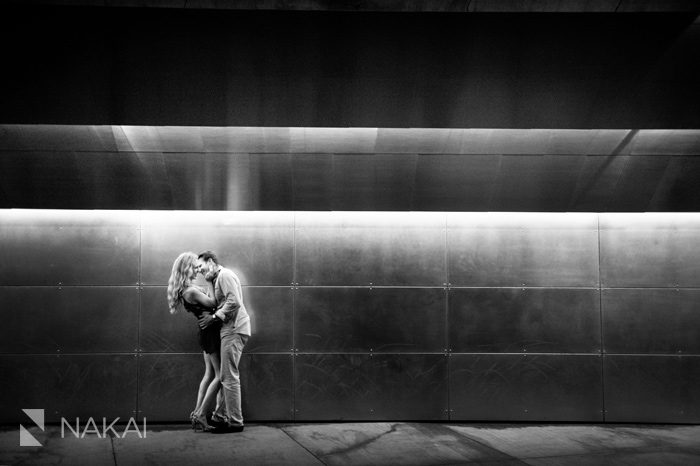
<point x="235" y="331"/>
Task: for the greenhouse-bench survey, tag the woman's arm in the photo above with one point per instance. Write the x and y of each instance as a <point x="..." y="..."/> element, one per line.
<point x="193" y="296"/>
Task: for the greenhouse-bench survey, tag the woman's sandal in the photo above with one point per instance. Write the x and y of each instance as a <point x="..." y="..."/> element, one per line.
<point x="200" y="422"/>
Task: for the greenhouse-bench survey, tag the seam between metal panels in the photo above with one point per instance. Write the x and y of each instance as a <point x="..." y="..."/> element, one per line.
<point x="447" y="323"/>
<point x="602" y="337"/>
<point x="373" y="353"/>
<point x="294" y="309"/>
<point x="138" y="323"/>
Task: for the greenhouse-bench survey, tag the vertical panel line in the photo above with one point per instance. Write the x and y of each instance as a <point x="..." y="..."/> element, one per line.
<point x="138" y="323"/>
<point x="600" y="310"/>
<point x="447" y="323"/>
<point x="294" y="305"/>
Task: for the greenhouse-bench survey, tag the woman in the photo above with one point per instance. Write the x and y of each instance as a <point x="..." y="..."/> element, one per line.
<point x="183" y="293"/>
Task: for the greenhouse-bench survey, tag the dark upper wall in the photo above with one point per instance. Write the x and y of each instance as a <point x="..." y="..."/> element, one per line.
<point x="139" y="66"/>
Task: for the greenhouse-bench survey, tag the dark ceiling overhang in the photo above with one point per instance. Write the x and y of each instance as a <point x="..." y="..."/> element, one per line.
<point x="455" y="6"/>
<point x="281" y="67"/>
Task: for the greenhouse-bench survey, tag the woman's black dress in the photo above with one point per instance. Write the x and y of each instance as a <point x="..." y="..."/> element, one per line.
<point x="209" y="338"/>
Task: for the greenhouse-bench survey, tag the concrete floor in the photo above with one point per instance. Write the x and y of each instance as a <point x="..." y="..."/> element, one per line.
<point x="379" y="443"/>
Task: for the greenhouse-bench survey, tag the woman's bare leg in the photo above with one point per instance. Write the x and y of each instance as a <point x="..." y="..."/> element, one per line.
<point x="213" y="388"/>
<point x="204" y="384"/>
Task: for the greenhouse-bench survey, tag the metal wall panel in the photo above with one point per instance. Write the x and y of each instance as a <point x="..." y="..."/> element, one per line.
<point x="228" y="181"/>
<point x="168" y="385"/>
<point x="677" y="191"/>
<point x="651" y="321"/>
<point x="69" y="386"/>
<point x="258" y="246"/>
<point x="354" y="182"/>
<point x="395" y="175"/>
<point x="69" y="319"/>
<point x="596" y="183"/>
<point x="525" y="388"/>
<point x="528" y="249"/>
<point x="333" y="140"/>
<point x="535" y="183"/>
<point x="410" y="387"/>
<point x="57" y="138"/>
<point x="347" y="248"/>
<point x="267" y="387"/>
<point x="666" y="142"/>
<point x="271" y="182"/>
<point x="362" y="319"/>
<point x="162" y="331"/>
<point x="652" y="389"/>
<point x="270" y="311"/>
<point x="312" y="181"/>
<point x="524" y="320"/>
<point x="370" y="387"/>
<point x="639" y="183"/>
<point x="650" y="250"/>
<point x="74" y="180"/>
<point x="454" y="182"/>
<point x="69" y="248"/>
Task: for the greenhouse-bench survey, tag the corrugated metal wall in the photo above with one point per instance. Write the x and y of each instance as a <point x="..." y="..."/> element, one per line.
<point x="363" y="315"/>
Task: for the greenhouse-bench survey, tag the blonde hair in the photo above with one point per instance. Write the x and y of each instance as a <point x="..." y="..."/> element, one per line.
<point x="179" y="279"/>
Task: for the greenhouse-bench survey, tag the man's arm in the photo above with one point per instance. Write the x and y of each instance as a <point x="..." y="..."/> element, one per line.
<point x="229" y="308"/>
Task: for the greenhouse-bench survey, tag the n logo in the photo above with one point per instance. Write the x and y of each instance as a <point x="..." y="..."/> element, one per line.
<point x="25" y="438"/>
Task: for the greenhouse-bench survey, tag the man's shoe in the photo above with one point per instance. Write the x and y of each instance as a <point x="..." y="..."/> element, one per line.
<point x="226" y="429"/>
<point x="216" y="423"/>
